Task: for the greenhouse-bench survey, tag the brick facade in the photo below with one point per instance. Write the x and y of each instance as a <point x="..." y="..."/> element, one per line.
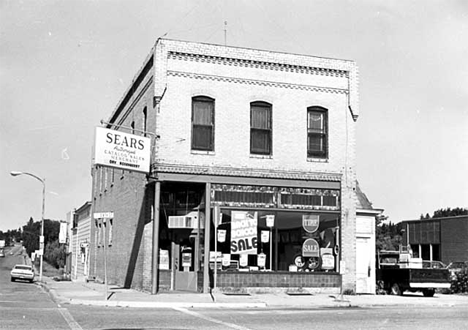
<point x="282" y="281"/>
<point x="442" y="239"/>
<point x="160" y="101"/>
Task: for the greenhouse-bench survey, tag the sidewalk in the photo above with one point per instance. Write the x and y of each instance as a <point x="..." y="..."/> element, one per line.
<point x="81" y="293"/>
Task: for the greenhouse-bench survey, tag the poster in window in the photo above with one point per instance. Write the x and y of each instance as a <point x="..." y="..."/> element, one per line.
<point x="221" y="235"/>
<point x="226" y="259"/>
<point x="243" y="260"/>
<point x="299" y="261"/>
<point x="310" y="222"/>
<point x="310" y="248"/>
<point x="265" y="237"/>
<point x="261" y="260"/>
<point x="163" y="259"/>
<point x="328" y="260"/>
<point x="313" y="263"/>
<point x="244" y="232"/>
<point x="186" y="259"/>
<point x="270" y="220"/>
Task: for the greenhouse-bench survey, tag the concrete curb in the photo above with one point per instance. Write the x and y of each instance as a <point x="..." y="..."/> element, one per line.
<point x="55" y="297"/>
<point x="329" y="302"/>
<point x="154" y="304"/>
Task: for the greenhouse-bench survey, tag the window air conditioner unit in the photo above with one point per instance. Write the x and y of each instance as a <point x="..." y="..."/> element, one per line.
<point x="179" y="221"/>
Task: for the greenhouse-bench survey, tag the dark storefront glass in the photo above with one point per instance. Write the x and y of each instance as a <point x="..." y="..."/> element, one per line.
<point x="287" y="246"/>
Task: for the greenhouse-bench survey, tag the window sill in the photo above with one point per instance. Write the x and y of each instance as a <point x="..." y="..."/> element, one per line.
<point x="261" y="156"/>
<point x="202" y="152"/>
<point x="317" y="160"/>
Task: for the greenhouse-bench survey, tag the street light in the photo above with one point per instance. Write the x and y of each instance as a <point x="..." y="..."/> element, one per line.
<point x="41" y="239"/>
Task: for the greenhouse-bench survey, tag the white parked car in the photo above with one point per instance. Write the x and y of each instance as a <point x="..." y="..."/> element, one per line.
<point x="22" y="272"/>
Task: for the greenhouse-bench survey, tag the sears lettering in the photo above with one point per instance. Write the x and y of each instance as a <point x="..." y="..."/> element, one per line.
<point x="124" y="141"/>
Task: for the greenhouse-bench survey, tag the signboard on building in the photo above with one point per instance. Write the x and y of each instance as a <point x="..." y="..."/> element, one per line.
<point x="122" y="150"/>
<point x="103" y="215"/>
<point x="63" y="233"/>
<point x="244" y="232"/>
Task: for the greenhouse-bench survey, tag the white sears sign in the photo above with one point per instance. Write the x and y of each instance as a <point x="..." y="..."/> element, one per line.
<point x="122" y="150"/>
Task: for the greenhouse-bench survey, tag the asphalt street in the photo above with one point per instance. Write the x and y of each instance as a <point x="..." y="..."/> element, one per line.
<point x="32" y="306"/>
<point x="25" y="305"/>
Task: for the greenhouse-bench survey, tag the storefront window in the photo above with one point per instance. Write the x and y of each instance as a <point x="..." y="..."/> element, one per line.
<point x="250" y="240"/>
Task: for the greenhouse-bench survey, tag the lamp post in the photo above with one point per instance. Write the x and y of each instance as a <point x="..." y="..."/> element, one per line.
<point x="41" y="239"/>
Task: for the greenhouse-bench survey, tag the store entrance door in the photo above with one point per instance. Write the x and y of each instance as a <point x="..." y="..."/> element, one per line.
<point x="363" y="265"/>
<point x="185" y="276"/>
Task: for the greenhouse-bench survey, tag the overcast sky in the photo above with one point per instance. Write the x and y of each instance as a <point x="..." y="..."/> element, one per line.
<point x="64" y="65"/>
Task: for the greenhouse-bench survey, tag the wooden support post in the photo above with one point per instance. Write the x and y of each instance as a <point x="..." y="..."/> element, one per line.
<point x="155" y="268"/>
<point x="206" y="261"/>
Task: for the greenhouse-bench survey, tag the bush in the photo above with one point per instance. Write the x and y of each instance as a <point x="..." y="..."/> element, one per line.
<point x="55" y="254"/>
<point x="459" y="283"/>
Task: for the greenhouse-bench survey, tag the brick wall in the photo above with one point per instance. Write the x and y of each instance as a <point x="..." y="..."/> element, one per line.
<point x="234" y="77"/>
<point x="242" y="281"/>
<point x="453" y="237"/>
<point x="128" y="196"/>
<point x="290" y="83"/>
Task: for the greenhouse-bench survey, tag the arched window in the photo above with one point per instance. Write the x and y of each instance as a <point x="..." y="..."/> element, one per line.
<point x="317" y="132"/>
<point x="202" y="123"/>
<point x="260" y="128"/>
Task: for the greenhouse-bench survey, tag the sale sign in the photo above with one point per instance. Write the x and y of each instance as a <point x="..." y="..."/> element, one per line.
<point x="244" y="232"/>
<point x="310" y="248"/>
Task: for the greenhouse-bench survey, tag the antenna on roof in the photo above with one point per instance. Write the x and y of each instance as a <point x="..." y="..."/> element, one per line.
<point x="225" y="33"/>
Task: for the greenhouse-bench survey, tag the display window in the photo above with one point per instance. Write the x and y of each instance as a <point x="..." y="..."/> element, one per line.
<point x="267" y="240"/>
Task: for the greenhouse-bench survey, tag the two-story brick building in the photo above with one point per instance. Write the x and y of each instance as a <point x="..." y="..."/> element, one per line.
<point x="252" y="181"/>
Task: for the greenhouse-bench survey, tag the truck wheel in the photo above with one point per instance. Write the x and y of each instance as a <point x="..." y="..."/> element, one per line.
<point x="428" y="292"/>
<point x="395" y="290"/>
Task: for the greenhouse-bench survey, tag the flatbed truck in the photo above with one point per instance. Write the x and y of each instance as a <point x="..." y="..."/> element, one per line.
<point x="398" y="271"/>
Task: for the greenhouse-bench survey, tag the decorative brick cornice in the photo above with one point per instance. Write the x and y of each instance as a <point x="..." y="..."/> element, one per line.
<point x="244" y="172"/>
<point x="248" y="63"/>
<point x="256" y="82"/>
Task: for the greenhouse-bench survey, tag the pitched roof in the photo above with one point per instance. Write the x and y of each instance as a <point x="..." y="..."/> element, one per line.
<point x="362" y="202"/>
